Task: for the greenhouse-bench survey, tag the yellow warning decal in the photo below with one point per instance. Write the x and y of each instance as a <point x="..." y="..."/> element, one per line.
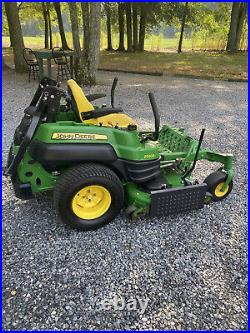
<point x="78" y="136"/>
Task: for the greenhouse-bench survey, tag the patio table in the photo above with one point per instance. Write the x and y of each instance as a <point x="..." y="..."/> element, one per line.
<point x="47" y="54"/>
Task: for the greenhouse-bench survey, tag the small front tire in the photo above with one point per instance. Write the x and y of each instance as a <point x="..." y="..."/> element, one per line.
<point x="215" y="182"/>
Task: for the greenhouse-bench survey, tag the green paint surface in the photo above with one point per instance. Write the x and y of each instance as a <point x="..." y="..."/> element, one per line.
<point x="176" y="149"/>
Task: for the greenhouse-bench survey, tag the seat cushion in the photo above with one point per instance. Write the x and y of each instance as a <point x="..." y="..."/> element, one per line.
<point x="83" y="105"/>
<point x="112" y="120"/>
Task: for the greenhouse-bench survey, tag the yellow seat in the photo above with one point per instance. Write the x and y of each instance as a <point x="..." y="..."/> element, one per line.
<point x="83" y="105"/>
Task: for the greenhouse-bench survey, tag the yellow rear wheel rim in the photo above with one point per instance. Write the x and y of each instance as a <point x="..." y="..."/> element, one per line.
<point x="91" y="202"/>
<point x="218" y="192"/>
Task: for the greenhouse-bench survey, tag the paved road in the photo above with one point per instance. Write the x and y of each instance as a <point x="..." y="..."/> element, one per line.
<point x="191" y="267"/>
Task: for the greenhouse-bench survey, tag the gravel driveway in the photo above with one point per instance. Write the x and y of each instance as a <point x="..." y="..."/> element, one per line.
<point x="192" y="267"/>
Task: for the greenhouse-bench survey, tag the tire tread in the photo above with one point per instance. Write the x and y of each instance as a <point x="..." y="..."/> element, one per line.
<point x="77" y="173"/>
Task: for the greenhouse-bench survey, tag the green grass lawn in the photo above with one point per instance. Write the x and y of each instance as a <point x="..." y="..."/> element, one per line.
<point x="152" y="42"/>
<point x="36" y="42"/>
<point x="214" y="65"/>
<point x="202" y="64"/>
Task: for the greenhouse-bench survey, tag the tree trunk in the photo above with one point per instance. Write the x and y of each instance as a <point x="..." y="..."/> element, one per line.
<point x="135" y="27"/>
<point x="11" y="43"/>
<point x="142" y="32"/>
<point x="238" y="16"/>
<point x="94" y="48"/>
<point x="244" y="37"/>
<point x="183" y="21"/>
<point x="75" y="35"/>
<point x="129" y="27"/>
<point x="231" y="41"/>
<point x="4" y="66"/>
<point x="49" y="24"/>
<point x="91" y="59"/>
<point x="121" y="27"/>
<point x="86" y="32"/>
<point x="108" y="23"/>
<point x="242" y="16"/>
<point x="46" y="26"/>
<point x="15" y="31"/>
<point x="57" y="7"/>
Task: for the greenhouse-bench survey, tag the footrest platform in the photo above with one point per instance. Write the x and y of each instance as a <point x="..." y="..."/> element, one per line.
<point x="177" y="200"/>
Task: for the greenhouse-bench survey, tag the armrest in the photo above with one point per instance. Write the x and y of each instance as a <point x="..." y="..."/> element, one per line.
<point x="93" y="97"/>
<point x="100" y="112"/>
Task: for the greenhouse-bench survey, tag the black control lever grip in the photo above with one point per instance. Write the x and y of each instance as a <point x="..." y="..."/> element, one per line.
<point x="113" y="91"/>
<point x="93" y="97"/>
<point x="188" y="172"/>
<point x="156" y="115"/>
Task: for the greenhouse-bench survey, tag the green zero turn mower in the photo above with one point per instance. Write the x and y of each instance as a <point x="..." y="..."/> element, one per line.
<point x="96" y="161"/>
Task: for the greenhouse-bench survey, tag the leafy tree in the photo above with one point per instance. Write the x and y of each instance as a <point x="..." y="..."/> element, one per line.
<point x="46" y="25"/>
<point x="73" y="10"/>
<point x="5" y="29"/>
<point x="150" y="17"/>
<point x="135" y="25"/>
<point x="57" y="7"/>
<point x="86" y="26"/>
<point x="88" y="59"/>
<point x="49" y="19"/>
<point x="183" y="21"/>
<point x="121" y="8"/>
<point x="91" y="61"/>
<point x="142" y="31"/>
<point x="42" y="13"/>
<point x="108" y="12"/>
<point x="129" y="26"/>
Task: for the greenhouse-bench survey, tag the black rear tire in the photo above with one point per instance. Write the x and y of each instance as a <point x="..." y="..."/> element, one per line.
<point x="213" y="181"/>
<point x="77" y="178"/>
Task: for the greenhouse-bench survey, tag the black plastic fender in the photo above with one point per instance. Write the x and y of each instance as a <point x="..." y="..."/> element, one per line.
<point x="53" y="155"/>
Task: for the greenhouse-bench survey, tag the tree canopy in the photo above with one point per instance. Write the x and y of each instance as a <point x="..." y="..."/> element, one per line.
<point x="125" y="25"/>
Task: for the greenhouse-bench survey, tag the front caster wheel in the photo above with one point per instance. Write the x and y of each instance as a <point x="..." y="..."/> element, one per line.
<point x="215" y="182"/>
<point x="88" y="196"/>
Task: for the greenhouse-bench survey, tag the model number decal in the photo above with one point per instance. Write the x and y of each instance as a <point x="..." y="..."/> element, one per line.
<point x="78" y="136"/>
<point x="149" y="155"/>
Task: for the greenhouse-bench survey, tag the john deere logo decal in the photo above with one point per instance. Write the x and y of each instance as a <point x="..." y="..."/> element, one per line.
<point x="78" y="136"/>
<point x="149" y="155"/>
